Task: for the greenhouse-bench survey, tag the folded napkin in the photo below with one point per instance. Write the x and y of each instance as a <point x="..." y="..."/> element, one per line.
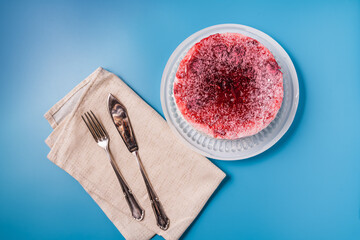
<point x="183" y="179"/>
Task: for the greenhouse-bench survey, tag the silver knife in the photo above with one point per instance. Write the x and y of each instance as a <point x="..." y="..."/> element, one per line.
<point x="122" y="122"/>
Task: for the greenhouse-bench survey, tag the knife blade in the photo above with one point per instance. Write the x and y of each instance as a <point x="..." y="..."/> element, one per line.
<point x="122" y="123"/>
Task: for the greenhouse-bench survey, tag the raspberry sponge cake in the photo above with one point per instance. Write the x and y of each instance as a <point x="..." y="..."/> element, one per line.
<point x="229" y="86"/>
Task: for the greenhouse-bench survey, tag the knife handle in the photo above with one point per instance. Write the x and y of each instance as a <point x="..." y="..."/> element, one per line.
<point x="161" y="219"/>
<point x="136" y="211"/>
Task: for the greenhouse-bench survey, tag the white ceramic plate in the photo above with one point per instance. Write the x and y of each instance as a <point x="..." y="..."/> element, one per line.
<point x="243" y="147"/>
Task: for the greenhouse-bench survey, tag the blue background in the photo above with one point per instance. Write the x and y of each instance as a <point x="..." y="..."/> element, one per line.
<point x="307" y="186"/>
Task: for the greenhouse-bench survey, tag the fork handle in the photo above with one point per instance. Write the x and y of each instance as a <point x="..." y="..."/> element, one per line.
<point x="136" y="211"/>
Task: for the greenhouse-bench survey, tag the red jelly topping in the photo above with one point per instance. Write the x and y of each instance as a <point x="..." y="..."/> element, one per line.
<point x="229" y="86"/>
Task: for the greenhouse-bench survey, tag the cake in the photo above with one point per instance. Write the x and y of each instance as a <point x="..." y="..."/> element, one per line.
<point x="228" y="86"/>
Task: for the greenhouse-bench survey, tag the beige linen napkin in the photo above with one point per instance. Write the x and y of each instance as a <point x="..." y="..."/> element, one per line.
<point x="183" y="179"/>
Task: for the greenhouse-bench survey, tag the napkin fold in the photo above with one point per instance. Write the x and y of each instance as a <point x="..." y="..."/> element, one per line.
<point x="183" y="179"/>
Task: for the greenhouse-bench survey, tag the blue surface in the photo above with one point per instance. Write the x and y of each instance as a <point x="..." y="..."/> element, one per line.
<point x="305" y="187"/>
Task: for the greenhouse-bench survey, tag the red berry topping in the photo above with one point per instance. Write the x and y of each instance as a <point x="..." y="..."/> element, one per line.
<point x="229" y="86"/>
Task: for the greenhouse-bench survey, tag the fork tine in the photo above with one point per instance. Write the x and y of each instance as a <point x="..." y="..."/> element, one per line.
<point x="100" y="125"/>
<point x="90" y="129"/>
<point x="92" y="125"/>
<point x="96" y="127"/>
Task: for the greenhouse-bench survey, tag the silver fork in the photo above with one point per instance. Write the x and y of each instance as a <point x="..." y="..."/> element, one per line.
<point x="102" y="139"/>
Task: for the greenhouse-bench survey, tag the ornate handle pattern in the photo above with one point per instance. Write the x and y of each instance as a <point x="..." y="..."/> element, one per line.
<point x="136" y="211"/>
<point x="161" y="219"/>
